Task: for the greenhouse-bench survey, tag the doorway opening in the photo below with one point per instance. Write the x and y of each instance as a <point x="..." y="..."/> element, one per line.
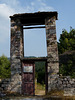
<point x="35" y="50"/>
<point x="40" y="78"/>
<point x="34" y="76"/>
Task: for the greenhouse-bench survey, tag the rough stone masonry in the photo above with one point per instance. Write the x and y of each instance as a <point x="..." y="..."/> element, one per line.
<point x="17" y="45"/>
<point x="16" y="52"/>
<point x="52" y="50"/>
<point x="14" y="84"/>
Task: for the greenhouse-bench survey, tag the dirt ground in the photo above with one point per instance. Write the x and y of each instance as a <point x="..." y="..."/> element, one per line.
<point x="39" y="89"/>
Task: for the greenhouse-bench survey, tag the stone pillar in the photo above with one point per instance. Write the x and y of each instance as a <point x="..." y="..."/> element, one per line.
<point x="16" y="52"/>
<point x="52" y="51"/>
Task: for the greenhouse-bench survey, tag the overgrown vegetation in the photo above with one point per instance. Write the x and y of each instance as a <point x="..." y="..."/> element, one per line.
<point x="40" y="72"/>
<point x="66" y="41"/>
<point x="66" y="45"/>
<point x="58" y="95"/>
<point x="4" y="67"/>
<point x="67" y="69"/>
<point x="39" y="89"/>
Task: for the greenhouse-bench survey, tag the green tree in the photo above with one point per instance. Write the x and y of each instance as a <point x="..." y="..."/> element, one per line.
<point x="66" y="41"/>
<point x="4" y="67"/>
<point x="40" y="72"/>
<point x="68" y="69"/>
<point x="67" y="44"/>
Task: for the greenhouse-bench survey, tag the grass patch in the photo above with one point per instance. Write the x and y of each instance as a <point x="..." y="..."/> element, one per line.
<point x="58" y="95"/>
<point x="39" y="89"/>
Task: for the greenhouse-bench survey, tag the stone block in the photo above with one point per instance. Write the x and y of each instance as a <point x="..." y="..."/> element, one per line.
<point x="69" y="85"/>
<point x="60" y="82"/>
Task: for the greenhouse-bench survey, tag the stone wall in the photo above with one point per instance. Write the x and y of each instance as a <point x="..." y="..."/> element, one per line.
<point x="52" y="50"/>
<point x="6" y="85"/>
<point x="16" y="52"/>
<point x="64" y="83"/>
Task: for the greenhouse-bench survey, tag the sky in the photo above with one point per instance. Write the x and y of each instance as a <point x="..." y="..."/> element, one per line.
<point x="34" y="40"/>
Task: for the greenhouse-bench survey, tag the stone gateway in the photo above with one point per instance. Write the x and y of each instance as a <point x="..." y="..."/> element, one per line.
<point x="22" y="79"/>
<point x="18" y="21"/>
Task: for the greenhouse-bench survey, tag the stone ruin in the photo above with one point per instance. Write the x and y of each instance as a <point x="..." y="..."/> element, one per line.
<point x="18" y="21"/>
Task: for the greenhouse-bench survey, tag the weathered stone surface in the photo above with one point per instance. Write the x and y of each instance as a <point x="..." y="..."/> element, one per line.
<point x="54" y="81"/>
<point x="52" y="51"/>
<point x="62" y="83"/>
<point x="16" y="52"/>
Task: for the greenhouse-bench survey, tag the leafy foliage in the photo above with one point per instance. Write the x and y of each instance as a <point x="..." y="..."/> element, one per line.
<point x="40" y="72"/>
<point x="67" y="69"/>
<point x="4" y="67"/>
<point x="66" y="41"/>
<point x="67" y="44"/>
